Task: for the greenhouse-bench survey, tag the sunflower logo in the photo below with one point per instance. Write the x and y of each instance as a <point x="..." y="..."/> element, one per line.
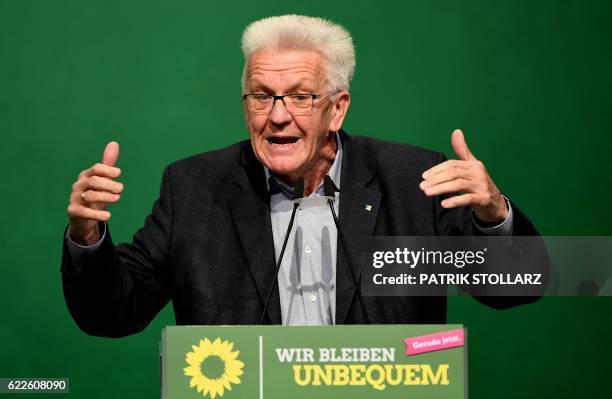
<point x="213" y="367"/>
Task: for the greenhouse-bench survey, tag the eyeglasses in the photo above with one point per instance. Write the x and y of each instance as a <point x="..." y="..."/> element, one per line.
<point x="296" y="103"/>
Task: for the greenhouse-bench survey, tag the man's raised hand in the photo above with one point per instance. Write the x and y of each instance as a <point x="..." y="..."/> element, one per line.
<point x="466" y="177"/>
<point x="94" y="189"/>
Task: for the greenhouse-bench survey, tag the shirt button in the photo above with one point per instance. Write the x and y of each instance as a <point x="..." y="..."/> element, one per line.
<point x="312" y="297"/>
<point x="307" y="249"/>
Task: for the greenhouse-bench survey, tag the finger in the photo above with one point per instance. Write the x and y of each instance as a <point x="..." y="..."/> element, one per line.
<point x="91" y="196"/>
<point x="101" y="169"/>
<point x="83" y="212"/>
<point x="460" y="146"/>
<point x="448" y="174"/>
<point x="459" y="200"/>
<point x="454" y="186"/>
<point x="99" y="183"/>
<point x="451" y="163"/>
<point x="111" y="154"/>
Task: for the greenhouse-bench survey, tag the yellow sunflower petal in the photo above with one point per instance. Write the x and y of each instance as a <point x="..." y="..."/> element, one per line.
<point x="205" y="346"/>
<point x="233" y="379"/>
<point x="235" y="364"/>
<point x="196" y="381"/>
<point x="213" y="389"/>
<point x="217" y="349"/>
<point x="220" y="388"/>
<point x="205" y="385"/>
<point x="228" y="357"/>
<point x="227" y="347"/>
<point x="191" y="371"/>
<point x="194" y="359"/>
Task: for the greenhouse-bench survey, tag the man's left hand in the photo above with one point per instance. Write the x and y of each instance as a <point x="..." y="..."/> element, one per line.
<point x="468" y="178"/>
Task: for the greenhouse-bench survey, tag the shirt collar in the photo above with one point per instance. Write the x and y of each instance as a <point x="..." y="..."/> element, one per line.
<point x="277" y="186"/>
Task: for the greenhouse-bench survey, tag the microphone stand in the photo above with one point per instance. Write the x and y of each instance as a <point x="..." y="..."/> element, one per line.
<point x="298" y="193"/>
<point x="330" y="193"/>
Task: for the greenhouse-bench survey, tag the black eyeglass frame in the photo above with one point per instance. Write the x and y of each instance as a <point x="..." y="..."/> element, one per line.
<point x="282" y="98"/>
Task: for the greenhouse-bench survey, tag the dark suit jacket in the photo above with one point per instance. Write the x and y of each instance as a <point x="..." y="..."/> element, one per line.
<point x="207" y="244"/>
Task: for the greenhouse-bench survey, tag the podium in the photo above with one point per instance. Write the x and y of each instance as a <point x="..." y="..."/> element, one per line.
<point x="342" y="361"/>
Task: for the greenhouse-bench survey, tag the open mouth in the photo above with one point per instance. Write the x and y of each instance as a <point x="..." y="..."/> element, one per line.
<point x="282" y="140"/>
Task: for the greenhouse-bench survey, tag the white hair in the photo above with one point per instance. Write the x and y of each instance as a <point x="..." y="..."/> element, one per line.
<point x="298" y="32"/>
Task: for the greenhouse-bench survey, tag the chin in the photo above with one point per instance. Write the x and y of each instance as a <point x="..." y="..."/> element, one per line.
<point x="283" y="168"/>
<point x="283" y="165"/>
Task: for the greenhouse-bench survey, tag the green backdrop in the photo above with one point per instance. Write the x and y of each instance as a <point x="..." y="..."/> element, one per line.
<point x="529" y="82"/>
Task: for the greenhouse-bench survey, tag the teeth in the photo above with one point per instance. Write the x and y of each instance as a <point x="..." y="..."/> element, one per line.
<point x="283" y="140"/>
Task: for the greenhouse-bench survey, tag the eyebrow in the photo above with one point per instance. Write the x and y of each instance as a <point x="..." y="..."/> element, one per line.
<point x="299" y="85"/>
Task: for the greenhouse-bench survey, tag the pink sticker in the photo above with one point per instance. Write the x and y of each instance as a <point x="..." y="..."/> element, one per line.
<point x="434" y="342"/>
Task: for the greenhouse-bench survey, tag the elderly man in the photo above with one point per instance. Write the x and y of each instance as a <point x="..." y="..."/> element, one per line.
<point x="213" y="237"/>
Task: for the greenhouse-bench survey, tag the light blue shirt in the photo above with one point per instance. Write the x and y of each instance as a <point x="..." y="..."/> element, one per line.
<point x="307" y="276"/>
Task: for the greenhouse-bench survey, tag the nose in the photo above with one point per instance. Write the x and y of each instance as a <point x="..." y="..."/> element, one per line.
<point x="279" y="114"/>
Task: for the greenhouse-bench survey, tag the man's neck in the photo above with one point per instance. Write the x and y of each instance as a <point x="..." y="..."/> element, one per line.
<point x="314" y="176"/>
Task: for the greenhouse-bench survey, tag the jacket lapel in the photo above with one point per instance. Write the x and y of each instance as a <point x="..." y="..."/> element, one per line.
<point x="359" y="205"/>
<point x="250" y="212"/>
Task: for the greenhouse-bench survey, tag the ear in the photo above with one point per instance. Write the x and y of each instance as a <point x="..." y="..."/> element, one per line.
<point x="246" y="113"/>
<point x="339" y="110"/>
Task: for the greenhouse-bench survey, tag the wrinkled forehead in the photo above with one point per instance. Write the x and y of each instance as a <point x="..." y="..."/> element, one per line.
<point x="282" y="71"/>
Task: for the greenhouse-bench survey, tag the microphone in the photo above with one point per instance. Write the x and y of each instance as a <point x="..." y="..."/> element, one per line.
<point x="330" y="192"/>
<point x="298" y="194"/>
<point x="329" y="189"/>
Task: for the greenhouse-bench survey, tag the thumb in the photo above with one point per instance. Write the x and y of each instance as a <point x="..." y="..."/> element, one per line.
<point x="460" y="146"/>
<point x="111" y="154"/>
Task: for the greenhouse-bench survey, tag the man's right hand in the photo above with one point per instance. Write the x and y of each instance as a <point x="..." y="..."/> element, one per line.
<point x="94" y="189"/>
